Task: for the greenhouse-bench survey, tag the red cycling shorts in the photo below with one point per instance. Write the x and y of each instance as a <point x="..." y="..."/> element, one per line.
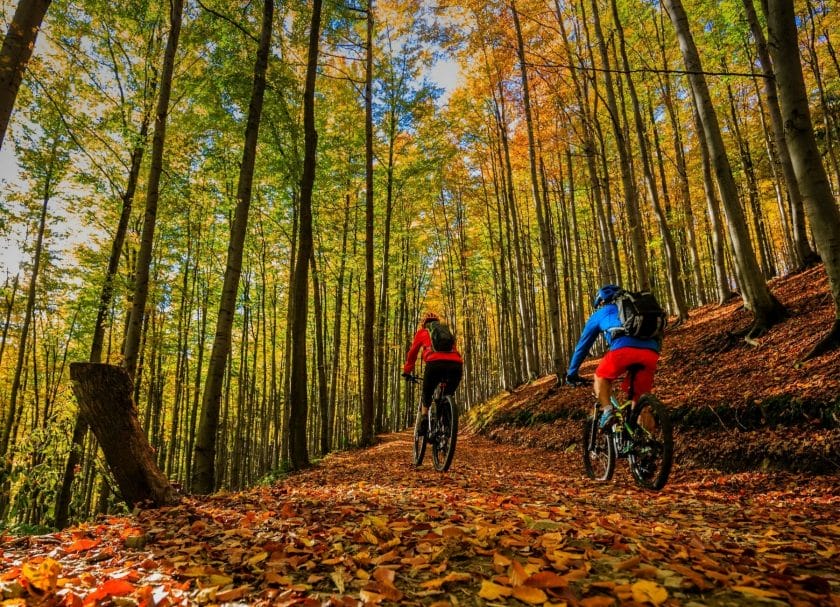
<point x="615" y="363"/>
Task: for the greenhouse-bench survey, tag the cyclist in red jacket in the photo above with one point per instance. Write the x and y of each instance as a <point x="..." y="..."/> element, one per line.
<point x="441" y="365"/>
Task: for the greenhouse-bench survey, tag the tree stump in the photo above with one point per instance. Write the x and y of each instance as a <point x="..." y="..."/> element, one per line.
<point x="105" y="401"/>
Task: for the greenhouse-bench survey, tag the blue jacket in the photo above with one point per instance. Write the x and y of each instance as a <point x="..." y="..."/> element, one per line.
<point x="601" y="321"/>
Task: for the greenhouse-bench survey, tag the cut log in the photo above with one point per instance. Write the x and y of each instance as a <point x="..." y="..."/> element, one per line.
<point x="104" y="393"/>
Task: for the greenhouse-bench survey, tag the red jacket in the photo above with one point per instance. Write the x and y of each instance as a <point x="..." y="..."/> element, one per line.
<point x="423" y="339"/>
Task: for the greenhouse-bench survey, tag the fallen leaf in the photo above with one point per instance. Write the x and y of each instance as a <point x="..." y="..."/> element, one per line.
<point x="42" y="576"/>
<point x="650" y="592"/>
<point x="517" y="574"/>
<point x="81" y="545"/>
<point x="759" y="592"/>
<point x="547" y="579"/>
<point x="529" y="594"/>
<point x="491" y="591"/>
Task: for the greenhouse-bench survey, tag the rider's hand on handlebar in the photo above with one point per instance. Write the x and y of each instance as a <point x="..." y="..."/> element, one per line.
<point x="577" y="380"/>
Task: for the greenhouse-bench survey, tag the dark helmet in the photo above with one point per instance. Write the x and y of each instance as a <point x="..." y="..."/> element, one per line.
<point x="606" y="294"/>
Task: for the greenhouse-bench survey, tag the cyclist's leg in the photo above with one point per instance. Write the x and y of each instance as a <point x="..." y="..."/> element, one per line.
<point x="452" y="372"/>
<point x="431" y="378"/>
<point x="608" y="370"/>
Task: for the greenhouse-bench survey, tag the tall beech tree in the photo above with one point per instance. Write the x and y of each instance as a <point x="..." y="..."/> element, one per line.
<point x="368" y="347"/>
<point x="298" y="389"/>
<point x="204" y="466"/>
<point x="819" y="201"/>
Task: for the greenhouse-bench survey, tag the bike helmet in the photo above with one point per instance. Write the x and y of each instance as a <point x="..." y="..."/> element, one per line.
<point x="429" y="317"/>
<point x="606" y="294"/>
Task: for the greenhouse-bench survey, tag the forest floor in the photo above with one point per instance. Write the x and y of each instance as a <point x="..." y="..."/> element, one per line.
<point x="507" y="525"/>
<point x="748" y="517"/>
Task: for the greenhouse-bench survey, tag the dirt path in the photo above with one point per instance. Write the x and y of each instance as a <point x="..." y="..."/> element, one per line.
<point x="505" y="526"/>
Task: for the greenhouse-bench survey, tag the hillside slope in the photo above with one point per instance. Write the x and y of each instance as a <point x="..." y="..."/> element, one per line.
<point x="737" y="406"/>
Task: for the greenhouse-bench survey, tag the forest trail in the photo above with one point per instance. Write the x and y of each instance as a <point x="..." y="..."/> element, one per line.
<point x="506" y="525"/>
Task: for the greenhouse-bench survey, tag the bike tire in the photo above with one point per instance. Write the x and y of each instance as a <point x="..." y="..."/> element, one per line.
<point x="652" y="454"/>
<point x="446" y="434"/>
<point x="598" y="451"/>
<point x="419" y="441"/>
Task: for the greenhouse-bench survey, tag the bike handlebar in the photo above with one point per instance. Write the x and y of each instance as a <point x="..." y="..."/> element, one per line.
<point x="413" y="379"/>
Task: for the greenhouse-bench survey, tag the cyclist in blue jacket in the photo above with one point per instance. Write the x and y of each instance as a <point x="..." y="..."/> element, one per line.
<point x="623" y="352"/>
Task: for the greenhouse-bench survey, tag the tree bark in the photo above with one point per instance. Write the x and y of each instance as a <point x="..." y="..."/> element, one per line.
<point x="15" y="54"/>
<point x="819" y="202"/>
<point x="368" y="362"/>
<point x="104" y="396"/>
<point x="204" y="470"/>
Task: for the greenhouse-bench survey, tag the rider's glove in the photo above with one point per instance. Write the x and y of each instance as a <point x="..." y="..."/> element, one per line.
<point x="406" y="375"/>
<point x="577" y="380"/>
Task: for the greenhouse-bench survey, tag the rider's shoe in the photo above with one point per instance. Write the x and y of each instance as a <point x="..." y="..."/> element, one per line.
<point x="606" y="419"/>
<point x="423" y="425"/>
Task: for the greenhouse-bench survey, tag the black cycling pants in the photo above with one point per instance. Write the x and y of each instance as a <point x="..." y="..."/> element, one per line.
<point x="437" y="371"/>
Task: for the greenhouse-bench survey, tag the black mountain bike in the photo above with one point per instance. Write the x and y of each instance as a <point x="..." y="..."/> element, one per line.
<point x="641" y="434"/>
<point x="442" y="430"/>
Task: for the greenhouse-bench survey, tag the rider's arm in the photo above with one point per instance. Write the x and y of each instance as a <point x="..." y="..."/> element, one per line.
<point x="411" y="357"/>
<point x="587" y="338"/>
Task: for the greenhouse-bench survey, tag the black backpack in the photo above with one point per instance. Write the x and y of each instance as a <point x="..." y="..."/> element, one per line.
<point x="442" y="338"/>
<point x="640" y="314"/>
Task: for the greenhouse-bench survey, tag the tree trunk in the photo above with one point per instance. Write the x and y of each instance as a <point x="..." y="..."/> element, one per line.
<point x="298" y="398"/>
<point x="766" y="309"/>
<point x="823" y="214"/>
<point x="803" y="253"/>
<point x="16" y="53"/>
<point x="674" y="272"/>
<point x="543" y="218"/>
<point x="131" y="348"/>
<point x="104" y="396"/>
<point x="204" y="471"/>
<point x="631" y="195"/>
<point x="368" y="362"/>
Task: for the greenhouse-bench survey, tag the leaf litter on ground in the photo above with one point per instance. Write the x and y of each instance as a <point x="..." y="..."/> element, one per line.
<point x="506" y="526"/>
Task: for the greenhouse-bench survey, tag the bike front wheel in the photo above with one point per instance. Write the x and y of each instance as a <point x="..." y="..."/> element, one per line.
<point x="653" y="446"/>
<point x="445" y="435"/>
<point x="598" y="451"/>
<point x="419" y="439"/>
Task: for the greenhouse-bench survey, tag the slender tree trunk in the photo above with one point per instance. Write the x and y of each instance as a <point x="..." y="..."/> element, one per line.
<point x="131" y="348"/>
<point x="327" y="435"/>
<point x="674" y="272"/>
<point x="631" y="195"/>
<point x="297" y="392"/>
<point x="819" y="202"/>
<point x="204" y="467"/>
<point x="320" y="341"/>
<point x="15" y="54"/>
<point x="802" y="249"/>
<point x="12" y="414"/>
<point x="765" y="307"/>
<point x="546" y="237"/>
<point x="368" y="345"/>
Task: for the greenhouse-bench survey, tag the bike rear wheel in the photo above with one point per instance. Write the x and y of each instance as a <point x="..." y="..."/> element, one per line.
<point x="445" y="434"/>
<point x="598" y="451"/>
<point x="653" y="446"/>
<point x="419" y="440"/>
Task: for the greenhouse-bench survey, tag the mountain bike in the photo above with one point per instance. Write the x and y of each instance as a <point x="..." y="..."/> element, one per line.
<point x="642" y="434"/>
<point x="442" y="430"/>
